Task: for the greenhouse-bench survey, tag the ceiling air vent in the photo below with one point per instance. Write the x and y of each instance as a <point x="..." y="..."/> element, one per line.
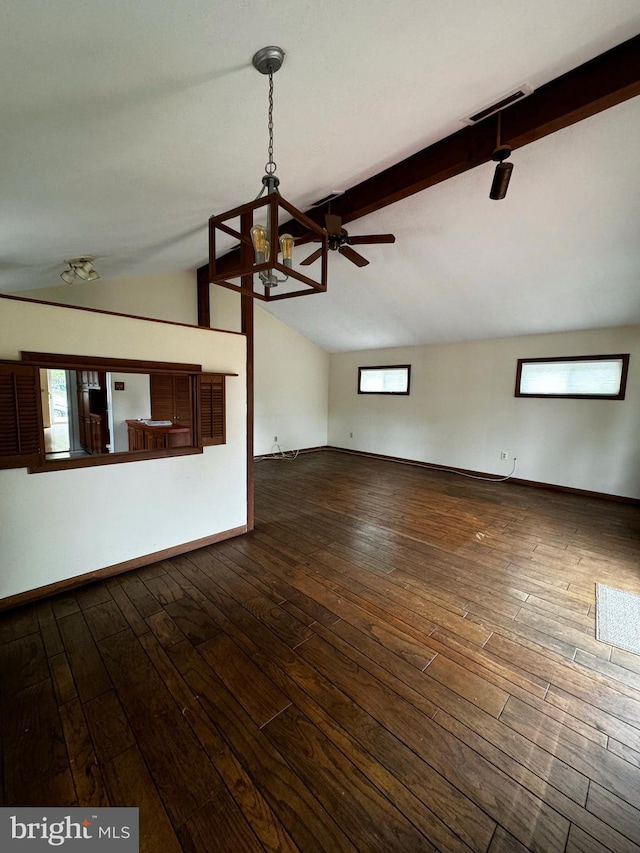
<point x="517" y="95"/>
<point x="327" y="198"/>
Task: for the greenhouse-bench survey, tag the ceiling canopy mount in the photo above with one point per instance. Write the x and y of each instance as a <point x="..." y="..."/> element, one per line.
<point x="268" y="60"/>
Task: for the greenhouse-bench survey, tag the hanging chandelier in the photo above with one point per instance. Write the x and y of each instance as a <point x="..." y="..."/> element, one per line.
<point x="262" y="266"/>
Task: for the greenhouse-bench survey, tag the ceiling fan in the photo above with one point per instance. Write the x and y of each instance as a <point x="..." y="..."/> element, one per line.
<point x="339" y="241"/>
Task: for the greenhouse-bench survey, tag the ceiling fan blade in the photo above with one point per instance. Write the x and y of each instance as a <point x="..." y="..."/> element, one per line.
<point x="353" y="256"/>
<point x="307" y="237"/>
<point x="371" y="238"/>
<point x="333" y="223"/>
<point x="312" y="257"/>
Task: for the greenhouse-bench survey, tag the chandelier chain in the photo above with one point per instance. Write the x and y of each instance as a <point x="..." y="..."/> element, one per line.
<point x="270" y="166"/>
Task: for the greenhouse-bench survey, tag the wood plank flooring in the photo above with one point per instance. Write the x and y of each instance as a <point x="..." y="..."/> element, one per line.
<point x="395" y="659"/>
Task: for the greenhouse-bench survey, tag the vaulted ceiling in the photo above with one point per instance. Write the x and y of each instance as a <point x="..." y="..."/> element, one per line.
<point x="126" y="125"/>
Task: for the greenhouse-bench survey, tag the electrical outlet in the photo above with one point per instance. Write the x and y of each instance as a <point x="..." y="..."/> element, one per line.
<point x="504" y="455"/>
<point x="275" y="437"/>
<point x="350" y="435"/>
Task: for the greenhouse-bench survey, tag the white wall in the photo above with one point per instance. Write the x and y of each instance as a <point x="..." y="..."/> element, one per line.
<point x="118" y="512"/>
<point x="291" y="387"/>
<point x="291" y="373"/>
<point x="225" y="308"/>
<point x="164" y="296"/>
<point x="132" y="403"/>
<point x="462" y="412"/>
<point x="291" y="378"/>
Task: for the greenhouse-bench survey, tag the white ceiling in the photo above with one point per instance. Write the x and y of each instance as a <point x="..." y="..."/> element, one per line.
<point x="126" y="125"/>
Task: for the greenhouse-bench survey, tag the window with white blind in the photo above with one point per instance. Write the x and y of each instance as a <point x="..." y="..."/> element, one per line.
<point x="386" y="379"/>
<point x="587" y="377"/>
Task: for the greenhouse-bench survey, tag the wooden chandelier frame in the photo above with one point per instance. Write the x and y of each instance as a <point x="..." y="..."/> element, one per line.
<point x="220" y="271"/>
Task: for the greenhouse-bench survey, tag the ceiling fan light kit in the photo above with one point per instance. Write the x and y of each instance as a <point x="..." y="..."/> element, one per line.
<point x="79" y="268"/>
<point x="266" y="250"/>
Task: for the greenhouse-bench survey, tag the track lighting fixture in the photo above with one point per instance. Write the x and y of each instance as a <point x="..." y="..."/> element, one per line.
<point x="502" y="174"/>
<point x="81" y="268"/>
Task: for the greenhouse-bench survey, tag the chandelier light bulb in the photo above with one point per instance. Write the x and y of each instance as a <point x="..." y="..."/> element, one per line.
<point x="286" y="247"/>
<point x="260" y="243"/>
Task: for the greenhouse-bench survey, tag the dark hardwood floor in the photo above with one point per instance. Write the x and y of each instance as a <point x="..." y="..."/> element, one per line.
<point x="394" y="660"/>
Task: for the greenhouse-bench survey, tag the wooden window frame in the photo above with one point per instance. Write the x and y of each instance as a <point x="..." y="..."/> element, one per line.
<point x="37" y="463"/>
<point x="624" y="357"/>
<point x="406" y="367"/>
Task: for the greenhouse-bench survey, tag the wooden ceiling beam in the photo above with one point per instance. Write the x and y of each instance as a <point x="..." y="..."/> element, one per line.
<point x="597" y="85"/>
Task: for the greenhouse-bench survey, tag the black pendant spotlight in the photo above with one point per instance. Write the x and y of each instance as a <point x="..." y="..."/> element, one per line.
<point x="502" y="174"/>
